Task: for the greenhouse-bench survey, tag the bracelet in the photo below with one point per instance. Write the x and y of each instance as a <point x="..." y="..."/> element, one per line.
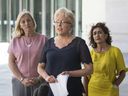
<point x="21" y="79"/>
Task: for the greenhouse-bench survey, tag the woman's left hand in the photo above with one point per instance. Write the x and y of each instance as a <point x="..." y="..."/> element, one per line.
<point x="65" y="73"/>
<point x="34" y="80"/>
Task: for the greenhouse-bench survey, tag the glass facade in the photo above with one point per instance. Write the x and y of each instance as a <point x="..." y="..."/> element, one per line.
<point x="42" y="11"/>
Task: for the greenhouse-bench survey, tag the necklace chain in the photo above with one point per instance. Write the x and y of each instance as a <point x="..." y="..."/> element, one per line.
<point x="28" y="41"/>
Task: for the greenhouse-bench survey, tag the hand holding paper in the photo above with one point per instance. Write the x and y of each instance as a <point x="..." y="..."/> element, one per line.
<point x="60" y="88"/>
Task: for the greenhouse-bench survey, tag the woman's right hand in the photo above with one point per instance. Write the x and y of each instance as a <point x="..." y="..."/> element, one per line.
<point x="51" y="79"/>
<point x="43" y="73"/>
<point x="27" y="82"/>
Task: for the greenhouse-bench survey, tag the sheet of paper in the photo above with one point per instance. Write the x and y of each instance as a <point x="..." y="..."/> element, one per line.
<point x="60" y="88"/>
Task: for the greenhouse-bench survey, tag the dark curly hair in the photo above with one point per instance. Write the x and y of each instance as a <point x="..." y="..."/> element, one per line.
<point x="105" y="30"/>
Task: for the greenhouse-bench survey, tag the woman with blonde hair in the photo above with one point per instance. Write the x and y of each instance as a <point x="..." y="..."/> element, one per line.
<point x="24" y="54"/>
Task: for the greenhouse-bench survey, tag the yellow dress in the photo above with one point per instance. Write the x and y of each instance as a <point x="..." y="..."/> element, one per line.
<point x="106" y="66"/>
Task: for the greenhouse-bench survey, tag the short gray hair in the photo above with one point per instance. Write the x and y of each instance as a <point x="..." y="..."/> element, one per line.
<point x="67" y="12"/>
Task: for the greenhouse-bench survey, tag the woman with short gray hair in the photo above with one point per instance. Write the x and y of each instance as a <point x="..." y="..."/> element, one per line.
<point x="64" y="53"/>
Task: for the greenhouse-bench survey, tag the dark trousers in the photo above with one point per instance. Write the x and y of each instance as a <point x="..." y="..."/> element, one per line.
<point x="20" y="90"/>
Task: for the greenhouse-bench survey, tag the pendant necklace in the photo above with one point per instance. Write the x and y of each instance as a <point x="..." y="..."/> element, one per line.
<point x="28" y="41"/>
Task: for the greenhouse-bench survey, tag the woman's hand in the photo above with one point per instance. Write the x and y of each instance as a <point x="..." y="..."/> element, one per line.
<point x="30" y="81"/>
<point x="65" y="72"/>
<point x="51" y="79"/>
<point x="119" y="78"/>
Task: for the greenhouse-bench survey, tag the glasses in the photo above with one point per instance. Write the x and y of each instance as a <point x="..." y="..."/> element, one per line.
<point x="61" y="23"/>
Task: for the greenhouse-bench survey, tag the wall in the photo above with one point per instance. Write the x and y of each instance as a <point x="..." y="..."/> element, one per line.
<point x="93" y="12"/>
<point x="114" y="13"/>
<point x="117" y="20"/>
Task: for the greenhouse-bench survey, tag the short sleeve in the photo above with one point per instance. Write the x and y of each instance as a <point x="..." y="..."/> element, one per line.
<point x="119" y="60"/>
<point x="43" y="55"/>
<point x="11" y="45"/>
<point x="84" y="53"/>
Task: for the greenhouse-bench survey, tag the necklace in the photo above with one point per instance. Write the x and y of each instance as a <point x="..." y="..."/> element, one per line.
<point x="28" y="41"/>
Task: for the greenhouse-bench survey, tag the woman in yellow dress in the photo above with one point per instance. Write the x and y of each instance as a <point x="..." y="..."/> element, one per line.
<point x="108" y="63"/>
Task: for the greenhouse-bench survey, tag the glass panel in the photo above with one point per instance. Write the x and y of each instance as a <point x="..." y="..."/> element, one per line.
<point x="3" y="21"/>
<point x="0" y="20"/>
<point x="9" y="10"/>
<point x="48" y="18"/>
<point x="37" y="14"/>
<point x="25" y="4"/>
<point x="14" y="12"/>
<point x="76" y="7"/>
<point x="78" y="18"/>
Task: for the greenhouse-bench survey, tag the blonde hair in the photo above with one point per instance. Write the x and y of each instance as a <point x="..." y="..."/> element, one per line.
<point x="67" y="13"/>
<point x="18" y="32"/>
